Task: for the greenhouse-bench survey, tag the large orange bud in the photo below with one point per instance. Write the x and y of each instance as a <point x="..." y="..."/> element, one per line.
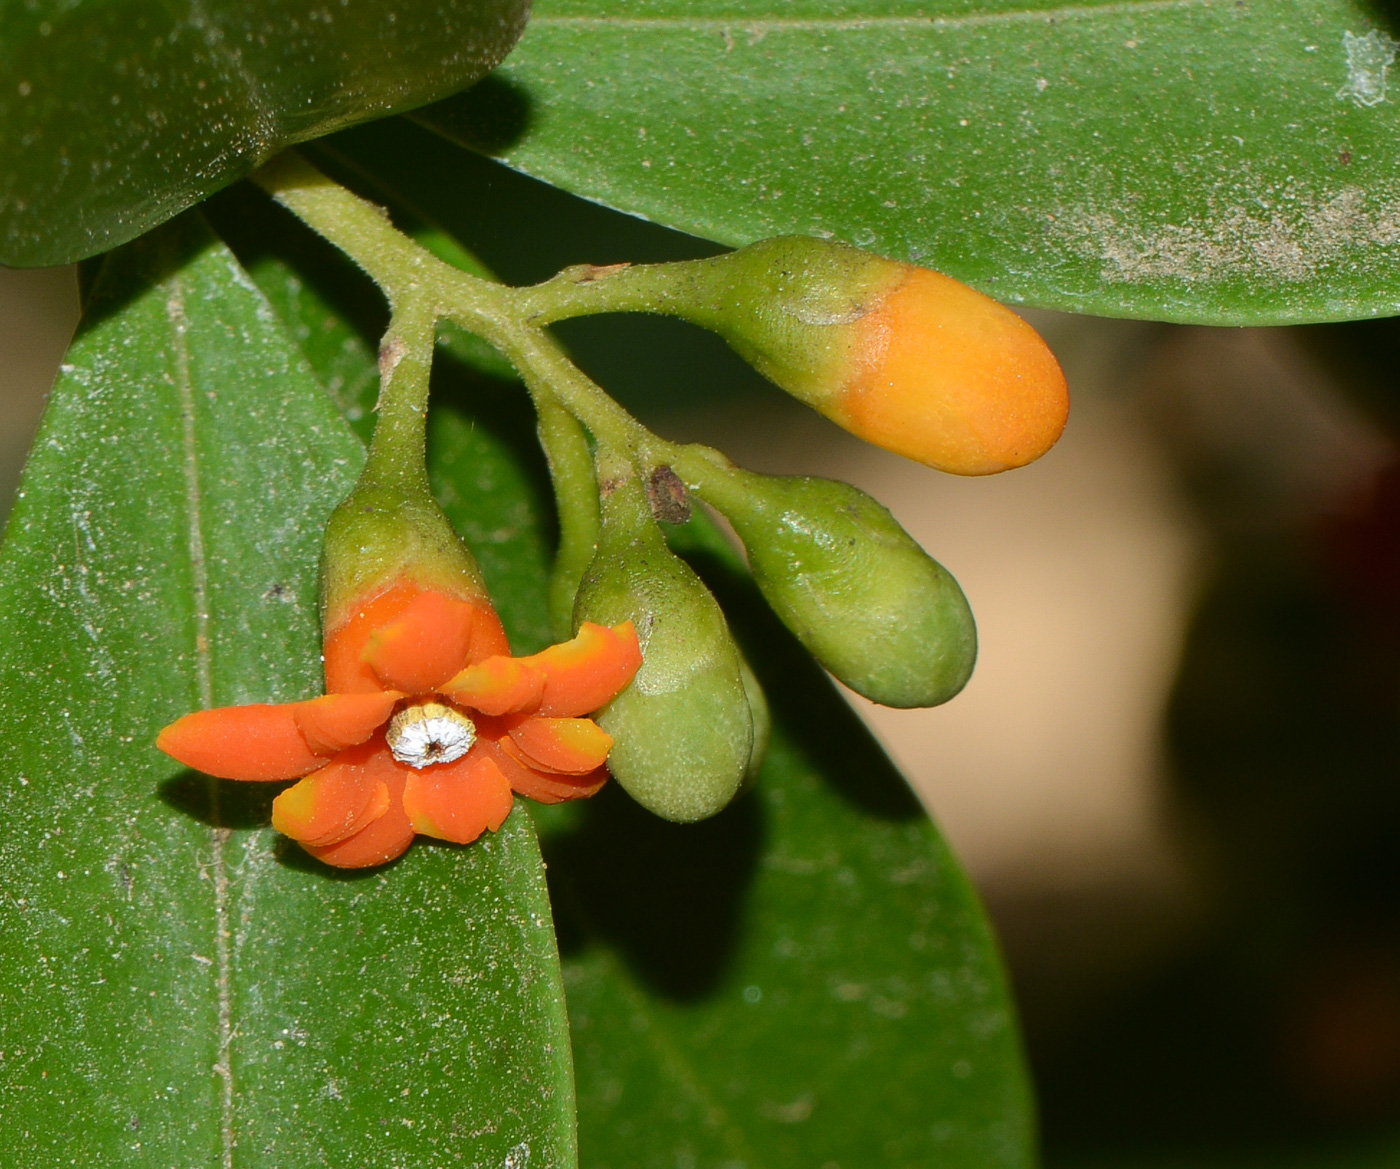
<point x="904" y="357"/>
<point x="941" y="374"/>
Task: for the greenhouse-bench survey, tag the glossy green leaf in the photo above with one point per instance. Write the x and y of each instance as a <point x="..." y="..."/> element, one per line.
<point x="117" y="114"/>
<point x="806" y="979"/>
<point x="177" y="986"/>
<point x="1224" y="162"/>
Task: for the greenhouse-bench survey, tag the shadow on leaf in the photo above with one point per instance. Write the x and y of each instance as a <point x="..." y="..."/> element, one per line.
<point x="220" y="803"/>
<point x="491" y="116"/>
<point x="668" y="897"/>
<point x="291" y="856"/>
<point x="108" y="285"/>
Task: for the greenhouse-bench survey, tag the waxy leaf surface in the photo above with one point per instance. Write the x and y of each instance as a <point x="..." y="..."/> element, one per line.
<point x="805" y="979"/>
<point x="117" y="114"/>
<point x="177" y="986"/>
<point x="1221" y="161"/>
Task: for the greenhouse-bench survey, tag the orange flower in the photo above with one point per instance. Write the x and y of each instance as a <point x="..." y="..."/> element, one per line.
<point x="427" y="725"/>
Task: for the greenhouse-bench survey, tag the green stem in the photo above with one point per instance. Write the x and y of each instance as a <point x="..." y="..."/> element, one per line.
<point x="576" y="498"/>
<point x="398" y="451"/>
<point x="546" y="369"/>
<point x="422" y="289"/>
<point x="403" y="269"/>
<point x="587" y="289"/>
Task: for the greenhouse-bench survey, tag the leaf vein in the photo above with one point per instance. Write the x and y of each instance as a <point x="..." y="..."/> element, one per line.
<point x="765" y="24"/>
<point x="199" y="581"/>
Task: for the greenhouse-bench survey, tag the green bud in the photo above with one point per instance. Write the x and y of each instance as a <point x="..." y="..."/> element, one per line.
<point x="871" y="605"/>
<point x="682" y="731"/>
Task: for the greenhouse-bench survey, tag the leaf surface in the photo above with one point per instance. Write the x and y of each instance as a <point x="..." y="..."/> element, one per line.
<point x="177" y="986"/>
<point x="805" y="979"/>
<point x="117" y="114"/>
<point x="1189" y="160"/>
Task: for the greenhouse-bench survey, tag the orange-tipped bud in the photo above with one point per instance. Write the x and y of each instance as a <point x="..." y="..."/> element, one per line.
<point x="948" y="377"/>
<point x="901" y="356"/>
<point x="906" y="358"/>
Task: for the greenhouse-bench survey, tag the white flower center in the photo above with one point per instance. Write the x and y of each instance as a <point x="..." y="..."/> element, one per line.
<point x="425" y="733"/>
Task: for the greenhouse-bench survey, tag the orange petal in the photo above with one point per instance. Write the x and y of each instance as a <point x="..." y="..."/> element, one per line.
<point x="569" y="745"/>
<point x="488" y="636"/>
<point x="428" y="643"/>
<point x="337" y="721"/>
<point x="586" y="673"/>
<point x="497" y="685"/>
<point x="346" y="670"/>
<point x="544" y="787"/>
<point x="334" y="803"/>
<point x="384" y="839"/>
<point x="458" y="801"/>
<point x="260" y="742"/>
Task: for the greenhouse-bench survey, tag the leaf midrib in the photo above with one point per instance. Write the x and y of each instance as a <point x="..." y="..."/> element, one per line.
<point x="765" y="24"/>
<point x="199" y="584"/>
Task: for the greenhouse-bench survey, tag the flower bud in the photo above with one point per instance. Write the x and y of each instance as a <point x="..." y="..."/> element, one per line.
<point x="904" y="357"/>
<point x="682" y="731"/>
<point x="871" y="605"/>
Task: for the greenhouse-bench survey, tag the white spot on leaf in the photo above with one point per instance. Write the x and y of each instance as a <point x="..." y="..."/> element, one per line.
<point x="1368" y="58"/>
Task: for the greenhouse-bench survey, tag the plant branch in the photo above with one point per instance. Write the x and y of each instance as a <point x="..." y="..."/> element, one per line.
<point x="423" y="289"/>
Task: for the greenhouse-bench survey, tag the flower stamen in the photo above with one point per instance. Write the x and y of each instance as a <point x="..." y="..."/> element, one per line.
<point x="424" y="733"/>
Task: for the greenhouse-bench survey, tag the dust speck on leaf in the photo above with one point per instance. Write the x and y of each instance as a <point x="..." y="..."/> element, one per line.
<point x="1287" y="242"/>
<point x="794" y="1112"/>
<point x="1368" y="58"/>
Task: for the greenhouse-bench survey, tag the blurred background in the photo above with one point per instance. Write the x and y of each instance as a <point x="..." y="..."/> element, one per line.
<point x="1173" y="775"/>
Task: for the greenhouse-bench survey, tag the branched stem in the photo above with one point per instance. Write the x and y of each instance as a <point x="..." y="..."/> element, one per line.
<point x="422" y="289"/>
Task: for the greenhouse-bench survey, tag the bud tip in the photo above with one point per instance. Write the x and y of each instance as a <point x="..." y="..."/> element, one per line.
<point x="951" y="378"/>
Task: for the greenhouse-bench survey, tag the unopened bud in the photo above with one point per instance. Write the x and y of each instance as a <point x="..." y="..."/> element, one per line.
<point x="871" y="605"/>
<point x="902" y="356"/>
<point x="682" y="731"/>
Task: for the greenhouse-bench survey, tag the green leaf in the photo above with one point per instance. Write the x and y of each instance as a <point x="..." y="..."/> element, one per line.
<point x="177" y="986"/>
<point x="1183" y="160"/>
<point x="805" y="979"/>
<point x="117" y="114"/>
